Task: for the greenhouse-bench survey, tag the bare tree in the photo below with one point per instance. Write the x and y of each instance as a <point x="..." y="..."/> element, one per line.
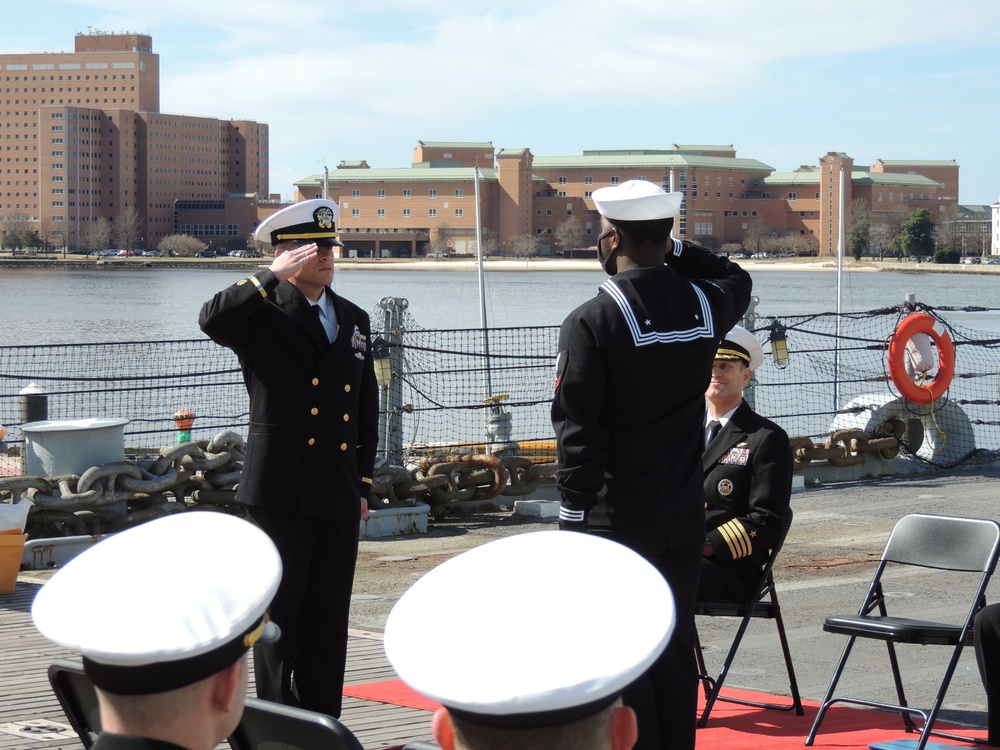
<point x="524" y="245"/>
<point x="569" y="234"/>
<point x="128" y="230"/>
<point x="490" y="244"/>
<point x="756" y="233"/>
<point x="181" y="244"/>
<point x="97" y="235"/>
<point x="15" y="231"/>
<point x="48" y="234"/>
<point x="439" y="243"/>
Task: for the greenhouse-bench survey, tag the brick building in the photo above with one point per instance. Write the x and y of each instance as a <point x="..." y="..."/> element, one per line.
<point x="404" y="211"/>
<point x="82" y="138"/>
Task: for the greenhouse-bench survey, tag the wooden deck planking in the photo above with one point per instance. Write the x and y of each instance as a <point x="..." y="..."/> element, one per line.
<point x="25" y="694"/>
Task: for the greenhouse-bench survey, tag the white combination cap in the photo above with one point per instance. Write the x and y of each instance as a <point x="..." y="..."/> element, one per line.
<point x="164" y="604"/>
<point x="313" y="220"/>
<point x="543" y="628"/>
<point x="637" y="200"/>
<point x="740" y="344"/>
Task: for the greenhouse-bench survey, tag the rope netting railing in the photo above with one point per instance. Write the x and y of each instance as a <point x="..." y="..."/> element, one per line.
<point x="490" y="391"/>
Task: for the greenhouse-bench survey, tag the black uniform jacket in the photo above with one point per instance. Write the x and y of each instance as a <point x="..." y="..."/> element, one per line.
<point x="313" y="430"/>
<point x="628" y="410"/>
<point x="108" y="741"/>
<point x="748" y="483"/>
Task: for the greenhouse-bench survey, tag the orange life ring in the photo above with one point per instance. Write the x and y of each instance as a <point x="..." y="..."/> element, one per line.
<point x="934" y="389"/>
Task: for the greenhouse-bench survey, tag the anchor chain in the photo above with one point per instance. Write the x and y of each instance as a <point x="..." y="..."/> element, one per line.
<point x="197" y="475"/>
<point x="848" y="447"/>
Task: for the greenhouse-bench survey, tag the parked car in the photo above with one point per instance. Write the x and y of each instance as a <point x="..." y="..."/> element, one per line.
<point x="125" y="253"/>
<point x="152" y="254"/>
<point x="103" y="253"/>
<point x="207" y="254"/>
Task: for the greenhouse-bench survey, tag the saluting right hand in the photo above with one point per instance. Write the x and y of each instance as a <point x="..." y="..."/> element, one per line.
<point x="287" y="262"/>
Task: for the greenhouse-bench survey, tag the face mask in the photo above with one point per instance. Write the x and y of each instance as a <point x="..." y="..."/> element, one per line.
<point x="605" y="258"/>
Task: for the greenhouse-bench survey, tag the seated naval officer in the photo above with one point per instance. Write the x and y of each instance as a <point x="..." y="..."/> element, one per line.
<point x="163" y="615"/>
<point x="542" y="631"/>
<point x="748" y="476"/>
<point x="987" y="640"/>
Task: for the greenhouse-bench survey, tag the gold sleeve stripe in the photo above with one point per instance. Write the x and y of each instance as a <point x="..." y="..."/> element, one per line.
<point x="259" y="287"/>
<point x="366" y="480"/>
<point x="736" y="538"/>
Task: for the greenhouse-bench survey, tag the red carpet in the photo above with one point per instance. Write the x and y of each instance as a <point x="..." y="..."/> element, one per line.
<point x="396" y="692"/>
<point x="732" y="726"/>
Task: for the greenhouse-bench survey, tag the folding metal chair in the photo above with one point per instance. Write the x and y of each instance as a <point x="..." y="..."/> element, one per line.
<point x="764" y="604"/>
<point x="264" y="724"/>
<point x="272" y="725"/>
<point x="77" y="697"/>
<point x="943" y="543"/>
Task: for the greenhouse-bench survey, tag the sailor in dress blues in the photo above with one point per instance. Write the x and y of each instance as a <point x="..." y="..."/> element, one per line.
<point x="628" y="411"/>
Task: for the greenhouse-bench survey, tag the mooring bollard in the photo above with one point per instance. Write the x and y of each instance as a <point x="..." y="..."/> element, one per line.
<point x="34" y="404"/>
<point x="184" y="419"/>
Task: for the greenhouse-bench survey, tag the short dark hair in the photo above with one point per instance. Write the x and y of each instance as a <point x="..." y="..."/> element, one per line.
<point x="641" y="233"/>
<point x="589" y="733"/>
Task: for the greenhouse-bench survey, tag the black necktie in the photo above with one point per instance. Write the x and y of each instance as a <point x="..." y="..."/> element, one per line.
<point x="711" y="431"/>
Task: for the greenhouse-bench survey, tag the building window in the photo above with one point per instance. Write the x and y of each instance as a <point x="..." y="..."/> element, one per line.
<point x="588" y="180"/>
<point x="406" y="213"/>
<point x="791" y="196"/>
<point x="458" y="212"/>
<point x="459" y="192"/>
<point x="538" y="212"/>
<point x="355" y="213"/>
<point x="355" y="193"/>
<point x="406" y="192"/>
<point x="562" y="180"/>
<point x="380" y="193"/>
<point x="433" y="212"/>
<point x="381" y="213"/>
<point x="588" y="193"/>
<point x="614" y="180"/>
<point x="432" y="193"/>
<point x="548" y="211"/>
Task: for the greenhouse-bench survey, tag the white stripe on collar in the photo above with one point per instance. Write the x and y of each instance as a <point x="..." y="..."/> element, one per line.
<point x="706" y="330"/>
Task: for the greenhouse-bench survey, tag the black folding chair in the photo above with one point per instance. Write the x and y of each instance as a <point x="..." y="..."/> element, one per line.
<point x="264" y="724"/>
<point x="764" y="604"/>
<point x="77" y="697"/>
<point x="943" y="543"/>
<point x="273" y="725"/>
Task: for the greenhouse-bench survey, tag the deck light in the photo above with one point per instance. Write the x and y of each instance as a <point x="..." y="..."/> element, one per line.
<point x="382" y="356"/>
<point x="779" y="346"/>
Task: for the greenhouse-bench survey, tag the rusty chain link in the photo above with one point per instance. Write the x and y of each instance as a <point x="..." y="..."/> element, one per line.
<point x="847" y="447"/>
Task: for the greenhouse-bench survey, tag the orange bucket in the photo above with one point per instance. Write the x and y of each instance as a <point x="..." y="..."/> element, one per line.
<point x="11" y="552"/>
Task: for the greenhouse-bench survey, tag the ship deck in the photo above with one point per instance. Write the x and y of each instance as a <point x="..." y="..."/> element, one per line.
<point x="32" y="719"/>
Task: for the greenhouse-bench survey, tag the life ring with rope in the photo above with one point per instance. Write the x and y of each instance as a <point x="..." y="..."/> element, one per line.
<point x="923" y="392"/>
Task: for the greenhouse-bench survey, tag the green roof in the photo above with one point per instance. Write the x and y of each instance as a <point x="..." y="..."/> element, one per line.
<point x="649" y="161"/>
<point x="810" y="177"/>
<point x="402" y="174"/>
<point x="919" y="163"/>
<point x="892" y="180"/>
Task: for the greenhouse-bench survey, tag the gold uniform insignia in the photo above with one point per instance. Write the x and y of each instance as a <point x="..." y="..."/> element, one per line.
<point x="324" y="217"/>
<point x="725" y="487"/>
<point x="241" y="282"/>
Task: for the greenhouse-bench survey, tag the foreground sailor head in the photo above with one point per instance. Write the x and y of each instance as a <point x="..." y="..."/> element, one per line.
<point x="738" y="356"/>
<point x="543" y="631"/>
<point x="303" y="236"/>
<point x="636" y="219"/>
<point x="163" y="615"/>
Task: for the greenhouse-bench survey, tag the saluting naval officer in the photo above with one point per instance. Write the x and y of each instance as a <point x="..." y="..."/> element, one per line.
<point x="306" y="358"/>
<point x="628" y="412"/>
<point x="182" y="599"/>
<point x="580" y="618"/>
<point x="748" y="476"/>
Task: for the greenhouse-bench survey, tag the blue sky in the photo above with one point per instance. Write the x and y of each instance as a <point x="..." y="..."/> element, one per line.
<point x="783" y="81"/>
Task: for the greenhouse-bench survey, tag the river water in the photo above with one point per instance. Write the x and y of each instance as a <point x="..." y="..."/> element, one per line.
<point x="60" y="306"/>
